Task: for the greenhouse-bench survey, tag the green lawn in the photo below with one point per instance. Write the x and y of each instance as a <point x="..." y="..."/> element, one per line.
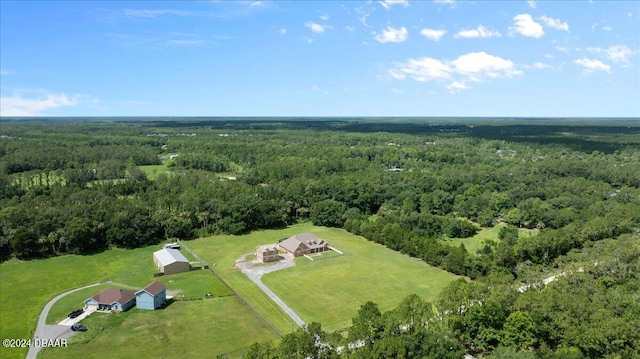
<point x="153" y="171"/>
<point x="187" y="329"/>
<point x="475" y="243"/>
<point x="328" y="291"/>
<point x="27" y="286"/>
<point x="331" y="291"/>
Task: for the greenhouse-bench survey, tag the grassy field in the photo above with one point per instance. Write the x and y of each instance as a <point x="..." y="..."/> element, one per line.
<point x="27" y="286"/>
<point x="190" y="329"/>
<point x="153" y="171"/>
<point x="475" y="243"/>
<point x="328" y="291"/>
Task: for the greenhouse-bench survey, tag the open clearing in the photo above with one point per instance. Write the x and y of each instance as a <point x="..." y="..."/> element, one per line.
<point x="153" y="171"/>
<point x="476" y="242"/>
<point x="28" y="286"/>
<point x="326" y="291"/>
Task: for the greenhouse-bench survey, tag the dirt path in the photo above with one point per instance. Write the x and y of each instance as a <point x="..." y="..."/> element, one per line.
<point x="255" y="274"/>
<point x="44" y="331"/>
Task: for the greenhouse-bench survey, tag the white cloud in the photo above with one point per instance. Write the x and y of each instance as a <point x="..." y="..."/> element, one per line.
<point x="471" y="67"/>
<point x="456" y="86"/>
<point x="607" y="28"/>
<point x="617" y="53"/>
<point x="350" y="28"/>
<point x="258" y="3"/>
<point x="142" y="13"/>
<point x="450" y="2"/>
<point x="554" y="23"/>
<point x="393" y="89"/>
<point x="538" y="65"/>
<point x="18" y="105"/>
<point x="589" y="66"/>
<point x="324" y="17"/>
<point x="4" y="72"/>
<point x="389" y="3"/>
<point x="421" y="70"/>
<point x="316" y="88"/>
<point x="282" y="31"/>
<point x="532" y="3"/>
<point x="481" y="63"/>
<point x="316" y="28"/>
<point x="432" y="34"/>
<point x="481" y="31"/>
<point x="392" y="35"/>
<point x="526" y="26"/>
<point x="362" y="16"/>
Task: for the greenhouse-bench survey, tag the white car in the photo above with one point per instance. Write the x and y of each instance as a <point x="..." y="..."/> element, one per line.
<point x="172" y="245"/>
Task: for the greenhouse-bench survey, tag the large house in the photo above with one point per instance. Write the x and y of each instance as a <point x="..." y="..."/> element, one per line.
<point x="268" y="253"/>
<point x="170" y="261"/>
<point x="304" y="243"/>
<point x="152" y="296"/>
<point x="112" y="299"/>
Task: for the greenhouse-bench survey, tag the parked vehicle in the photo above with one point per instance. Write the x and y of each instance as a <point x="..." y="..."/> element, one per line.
<point x="78" y="328"/>
<point x="172" y="245"/>
<point x="76" y="313"/>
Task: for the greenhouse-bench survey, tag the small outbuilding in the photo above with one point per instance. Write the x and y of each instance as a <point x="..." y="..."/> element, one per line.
<point x="170" y="261"/>
<point x="152" y="296"/>
<point x="112" y="299"/>
<point x="304" y="243"/>
<point x="268" y="253"/>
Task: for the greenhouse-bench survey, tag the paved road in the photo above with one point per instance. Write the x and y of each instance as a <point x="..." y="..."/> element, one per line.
<point x="44" y="331"/>
<point x="255" y="274"/>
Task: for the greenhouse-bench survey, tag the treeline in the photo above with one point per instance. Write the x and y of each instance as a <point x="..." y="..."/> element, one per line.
<point x="409" y="331"/>
<point x="451" y="184"/>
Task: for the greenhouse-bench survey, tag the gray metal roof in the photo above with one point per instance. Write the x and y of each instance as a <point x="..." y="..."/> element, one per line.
<point x="168" y="256"/>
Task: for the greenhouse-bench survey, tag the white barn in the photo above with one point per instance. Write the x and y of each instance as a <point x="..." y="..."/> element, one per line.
<point x="170" y="261"/>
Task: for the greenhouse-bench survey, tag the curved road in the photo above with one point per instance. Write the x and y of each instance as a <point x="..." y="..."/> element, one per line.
<point x="44" y="331"/>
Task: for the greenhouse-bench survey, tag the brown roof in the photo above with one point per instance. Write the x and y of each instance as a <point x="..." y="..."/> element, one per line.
<point x="291" y="244"/>
<point x="112" y="295"/>
<point x="153" y="288"/>
<point x="309" y="240"/>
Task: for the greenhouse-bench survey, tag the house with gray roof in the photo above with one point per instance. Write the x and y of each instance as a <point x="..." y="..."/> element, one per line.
<point x="170" y="261"/>
<point x="304" y="243"/>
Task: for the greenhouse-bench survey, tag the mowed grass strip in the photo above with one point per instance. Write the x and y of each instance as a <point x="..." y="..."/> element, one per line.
<point x="184" y="329"/>
<point x="328" y="291"/>
<point x="221" y="253"/>
<point x="331" y="291"/>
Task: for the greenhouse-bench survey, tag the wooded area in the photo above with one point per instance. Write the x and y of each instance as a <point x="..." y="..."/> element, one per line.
<point x="78" y="187"/>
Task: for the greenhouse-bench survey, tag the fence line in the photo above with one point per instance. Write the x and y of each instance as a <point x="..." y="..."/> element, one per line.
<point x="231" y="289"/>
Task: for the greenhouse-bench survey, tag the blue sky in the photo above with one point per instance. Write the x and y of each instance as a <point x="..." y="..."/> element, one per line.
<point x="320" y="58"/>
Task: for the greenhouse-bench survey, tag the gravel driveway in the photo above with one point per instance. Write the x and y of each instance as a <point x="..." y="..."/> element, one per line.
<point x="255" y="274"/>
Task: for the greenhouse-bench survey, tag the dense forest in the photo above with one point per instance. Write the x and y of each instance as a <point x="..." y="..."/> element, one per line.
<point x="84" y="186"/>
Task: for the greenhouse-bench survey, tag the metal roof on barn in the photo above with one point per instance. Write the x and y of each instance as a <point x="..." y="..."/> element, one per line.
<point x="168" y="256"/>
